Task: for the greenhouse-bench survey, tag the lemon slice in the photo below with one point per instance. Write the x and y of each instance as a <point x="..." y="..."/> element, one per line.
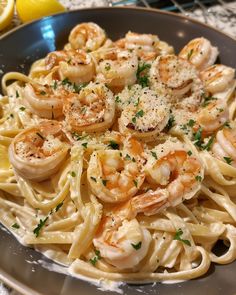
<point x="33" y="9"/>
<point x="6" y="12"/>
<point x="4" y="161"/>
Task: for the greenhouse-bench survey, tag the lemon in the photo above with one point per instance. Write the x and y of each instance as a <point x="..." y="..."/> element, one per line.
<point x="4" y="161"/>
<point x="6" y="12"/>
<point x="29" y="10"/>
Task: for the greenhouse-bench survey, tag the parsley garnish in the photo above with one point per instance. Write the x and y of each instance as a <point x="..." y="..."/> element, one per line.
<point x="208" y="145"/>
<point x="189" y="153"/>
<point x="95" y="258"/>
<point x="15" y="225"/>
<point x="77" y="88"/>
<point x="198" y="137"/>
<point x="66" y="81"/>
<point x="113" y="145"/>
<point x="139" y="114"/>
<point x="22" y="108"/>
<point x="207" y="100"/>
<point x="191" y="122"/>
<point x="55" y="85"/>
<point x="42" y="92"/>
<point x="37" y="230"/>
<point x="141" y="74"/>
<point x="227" y="124"/>
<point x="228" y="160"/>
<point x="93" y="178"/>
<point x="76" y="136"/>
<point x="107" y="67"/>
<point x="198" y="178"/>
<point x="73" y="174"/>
<point x="39" y="135"/>
<point x="17" y="94"/>
<point x="154" y="155"/>
<point x="117" y="99"/>
<point x="170" y="122"/>
<point x="127" y="157"/>
<point x="58" y="206"/>
<point x="137" y="102"/>
<point x="135" y="183"/>
<point x="178" y="235"/>
<point x="190" y="54"/>
<point x="137" y="246"/>
<point x="104" y="182"/>
<point x="85" y="145"/>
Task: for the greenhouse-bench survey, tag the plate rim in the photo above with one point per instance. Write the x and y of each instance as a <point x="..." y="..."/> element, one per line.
<point x="6" y="278"/>
<point x="145" y="9"/>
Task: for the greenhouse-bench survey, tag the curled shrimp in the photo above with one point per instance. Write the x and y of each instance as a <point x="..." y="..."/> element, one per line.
<point x="213" y="116"/>
<point x="219" y="80"/>
<point x="147" y="46"/>
<point x="225" y="145"/>
<point x="88" y="36"/>
<point x="76" y="65"/>
<point x="92" y="110"/>
<point x="115" y="176"/>
<point x="38" y="152"/>
<point x="176" y="174"/>
<point x="144" y="114"/>
<point x="116" y="68"/>
<point x="179" y="79"/>
<point x="200" y="53"/>
<point x="44" y="100"/>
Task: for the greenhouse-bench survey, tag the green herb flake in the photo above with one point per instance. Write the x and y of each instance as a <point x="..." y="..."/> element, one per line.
<point x="227" y="125"/>
<point x="73" y="174"/>
<point x="117" y="99"/>
<point x="198" y="137"/>
<point x="58" y="206"/>
<point x="85" y="145"/>
<point x="178" y="235"/>
<point x="22" y="109"/>
<point x="93" y="178"/>
<point x="142" y="74"/>
<point x="191" y="123"/>
<point x="113" y="145"/>
<point x="137" y="246"/>
<point x="139" y="114"/>
<point x="107" y="67"/>
<point x="17" y="94"/>
<point x="190" y="54"/>
<point x="207" y="99"/>
<point x="104" y="182"/>
<point x="66" y="81"/>
<point x="54" y="85"/>
<point x="170" y="122"/>
<point x="43" y="93"/>
<point x="228" y="160"/>
<point x="135" y="183"/>
<point x="208" y="145"/>
<point x="154" y="155"/>
<point x="127" y="157"/>
<point x="39" y="227"/>
<point x="95" y="259"/>
<point x="15" y="225"/>
<point x="198" y="178"/>
<point x="189" y="153"/>
<point x="134" y="120"/>
<point x="137" y="102"/>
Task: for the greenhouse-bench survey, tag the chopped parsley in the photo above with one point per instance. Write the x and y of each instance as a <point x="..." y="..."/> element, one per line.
<point x="58" y="206"/>
<point x="190" y="54"/>
<point x="113" y="145"/>
<point x="95" y="258"/>
<point x="207" y="99"/>
<point x="228" y="160"/>
<point x="40" y="135"/>
<point x="198" y="178"/>
<point x="117" y="99"/>
<point x="178" y="235"/>
<point x="154" y="154"/>
<point x="135" y="183"/>
<point x="76" y="136"/>
<point x="127" y="157"/>
<point x="189" y="153"/>
<point x="139" y="114"/>
<point x="191" y="123"/>
<point x="85" y="145"/>
<point x="73" y="174"/>
<point x="66" y="81"/>
<point x="141" y="75"/>
<point x="11" y="115"/>
<point x="208" y="145"/>
<point x="17" y="94"/>
<point x="104" y="182"/>
<point x="39" y="227"/>
<point x="93" y="178"/>
<point x="107" y="67"/>
<point x="54" y="85"/>
<point x="198" y="137"/>
<point x="170" y="122"/>
<point x="22" y="108"/>
<point x="227" y="124"/>
<point x="137" y="102"/>
<point x="77" y="88"/>
<point x="15" y="225"/>
<point x="42" y="92"/>
<point x="137" y="246"/>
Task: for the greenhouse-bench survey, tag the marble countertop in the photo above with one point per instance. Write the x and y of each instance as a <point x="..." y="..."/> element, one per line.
<point x="223" y="18"/>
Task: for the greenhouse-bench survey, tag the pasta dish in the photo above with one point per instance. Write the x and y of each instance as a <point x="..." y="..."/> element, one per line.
<point x="119" y="157"/>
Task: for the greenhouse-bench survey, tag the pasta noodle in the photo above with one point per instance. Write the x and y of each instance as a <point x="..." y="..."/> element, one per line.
<point x="119" y="158"/>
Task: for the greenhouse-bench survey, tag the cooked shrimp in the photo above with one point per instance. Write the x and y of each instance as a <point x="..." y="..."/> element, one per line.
<point x="145" y="114"/>
<point x="174" y="170"/>
<point x="200" y="53"/>
<point x="115" y="176"/>
<point x="38" y="152"/>
<point x="219" y="80"/>
<point x="123" y="244"/>
<point x="147" y="46"/>
<point x="225" y="145"/>
<point x="76" y="65"/>
<point x="116" y="68"/>
<point x="177" y="77"/>
<point x="92" y="110"/>
<point x="213" y="116"/>
<point x="44" y="100"/>
<point x="88" y="36"/>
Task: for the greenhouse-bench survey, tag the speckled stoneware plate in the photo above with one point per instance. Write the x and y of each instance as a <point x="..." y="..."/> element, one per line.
<point x="24" y="45"/>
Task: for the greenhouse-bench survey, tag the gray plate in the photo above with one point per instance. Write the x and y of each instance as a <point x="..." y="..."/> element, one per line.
<point x="30" y="42"/>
